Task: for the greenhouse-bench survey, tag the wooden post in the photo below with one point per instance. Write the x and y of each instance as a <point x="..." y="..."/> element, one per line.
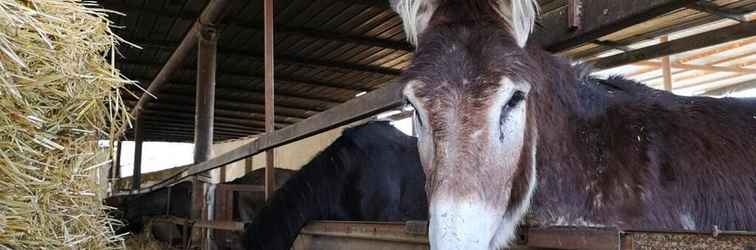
<point x="222" y="174"/>
<point x="269" y="112"/>
<point x="204" y="115"/>
<point x="248" y="164"/>
<point x="138" y="140"/>
<point x="666" y="68"/>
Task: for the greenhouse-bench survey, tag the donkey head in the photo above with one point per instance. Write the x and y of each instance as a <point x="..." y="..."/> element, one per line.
<point x="470" y="84"/>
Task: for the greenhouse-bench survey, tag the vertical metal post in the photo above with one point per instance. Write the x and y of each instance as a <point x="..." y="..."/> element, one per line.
<point x="138" y="140"/>
<point x="204" y="114"/>
<point x="116" y="171"/>
<point x="666" y="68"/>
<point x="574" y="14"/>
<point x="269" y="112"/>
<point x="205" y="102"/>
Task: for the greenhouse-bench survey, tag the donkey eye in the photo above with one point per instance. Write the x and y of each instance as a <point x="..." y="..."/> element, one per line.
<point x="517" y="98"/>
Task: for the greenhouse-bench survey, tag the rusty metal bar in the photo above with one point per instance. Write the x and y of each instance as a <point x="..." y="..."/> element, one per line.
<point x="269" y="95"/>
<point x="221" y="225"/>
<point x="210" y="15"/>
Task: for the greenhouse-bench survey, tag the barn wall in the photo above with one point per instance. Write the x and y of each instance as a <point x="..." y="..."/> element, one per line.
<point x="291" y="156"/>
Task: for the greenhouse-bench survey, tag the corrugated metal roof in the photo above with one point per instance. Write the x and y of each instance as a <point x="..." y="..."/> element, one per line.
<point x="327" y="51"/>
<point x="715" y="70"/>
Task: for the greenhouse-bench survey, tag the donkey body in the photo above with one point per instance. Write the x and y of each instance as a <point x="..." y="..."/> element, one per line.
<point x="505" y="128"/>
<point x="371" y="172"/>
<point x="623" y="154"/>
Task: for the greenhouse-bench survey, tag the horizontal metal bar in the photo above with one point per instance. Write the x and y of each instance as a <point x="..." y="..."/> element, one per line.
<point x="220" y="225"/>
<point x="372" y="103"/>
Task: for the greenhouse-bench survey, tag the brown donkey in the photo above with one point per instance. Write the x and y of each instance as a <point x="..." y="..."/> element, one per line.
<point x="506" y="129"/>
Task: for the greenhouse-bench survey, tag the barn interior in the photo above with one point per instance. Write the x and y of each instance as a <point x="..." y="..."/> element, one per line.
<point x="212" y="80"/>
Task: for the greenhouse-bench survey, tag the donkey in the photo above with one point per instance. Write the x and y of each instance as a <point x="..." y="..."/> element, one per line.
<point x="371" y="172"/>
<point x="507" y="129"/>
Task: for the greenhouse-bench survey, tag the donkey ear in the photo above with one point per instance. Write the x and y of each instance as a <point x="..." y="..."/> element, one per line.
<point x="415" y="16"/>
<point x="520" y="16"/>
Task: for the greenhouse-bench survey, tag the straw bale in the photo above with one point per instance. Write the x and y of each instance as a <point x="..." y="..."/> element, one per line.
<point x="145" y="241"/>
<point x="59" y="94"/>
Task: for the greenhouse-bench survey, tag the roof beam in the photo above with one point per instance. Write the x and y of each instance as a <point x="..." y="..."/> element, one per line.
<point x="281" y="58"/>
<point x="179" y="123"/>
<point x="681" y="78"/>
<point x="188" y="118"/>
<point x="734" y="69"/>
<point x="182" y="127"/>
<point x="175" y="99"/>
<point x="176" y="126"/>
<point x="706" y="39"/>
<point x="707" y="53"/>
<point x="280" y="29"/>
<point x="712" y="8"/>
<point x="311" y="107"/>
<point x="656" y="33"/>
<point x="723" y="60"/>
<point x="280" y="78"/>
<point x="731" y="88"/>
<point x="220" y="111"/>
<point x="599" y="18"/>
<point x="179" y="135"/>
<point x="221" y="91"/>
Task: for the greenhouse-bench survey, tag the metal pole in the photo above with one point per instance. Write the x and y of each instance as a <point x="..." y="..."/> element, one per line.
<point x="116" y="171"/>
<point x="205" y="102"/>
<point x="138" y="139"/>
<point x="269" y="111"/>
<point x="204" y="115"/>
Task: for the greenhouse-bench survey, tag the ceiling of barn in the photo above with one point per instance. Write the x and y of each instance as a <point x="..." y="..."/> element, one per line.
<point x="326" y="52"/>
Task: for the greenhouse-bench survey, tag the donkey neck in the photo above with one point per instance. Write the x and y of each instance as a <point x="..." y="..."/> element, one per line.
<point x="564" y="105"/>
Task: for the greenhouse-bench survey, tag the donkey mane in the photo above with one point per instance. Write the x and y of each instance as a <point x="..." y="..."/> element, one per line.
<point x="517" y="16"/>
